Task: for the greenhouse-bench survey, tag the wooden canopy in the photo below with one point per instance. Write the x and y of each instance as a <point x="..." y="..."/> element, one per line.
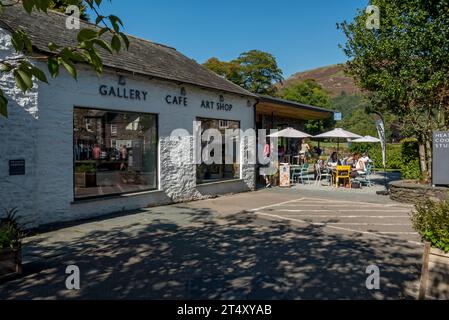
<point x="289" y="109"/>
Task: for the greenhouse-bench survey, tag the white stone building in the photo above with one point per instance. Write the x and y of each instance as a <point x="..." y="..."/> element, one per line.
<point x="73" y="150"/>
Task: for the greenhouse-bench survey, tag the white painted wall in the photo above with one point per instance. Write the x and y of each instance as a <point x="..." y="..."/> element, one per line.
<point x="40" y="130"/>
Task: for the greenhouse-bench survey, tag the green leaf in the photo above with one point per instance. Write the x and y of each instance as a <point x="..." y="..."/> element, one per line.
<point x="3" y="105"/>
<point x="28" y="5"/>
<point x="39" y="74"/>
<point x="70" y="68"/>
<point x="104" y="45"/>
<point x="5" y="67"/>
<point x="53" y="47"/>
<point x="125" y="40"/>
<point x="17" y="41"/>
<point x="53" y="67"/>
<point x="87" y="35"/>
<point x="116" y="44"/>
<point x="22" y="80"/>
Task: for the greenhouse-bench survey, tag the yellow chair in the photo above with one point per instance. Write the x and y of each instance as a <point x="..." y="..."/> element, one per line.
<point x="344" y="173"/>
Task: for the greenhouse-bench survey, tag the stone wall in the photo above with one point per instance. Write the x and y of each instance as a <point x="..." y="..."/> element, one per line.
<point x="411" y="192"/>
<point x="18" y="134"/>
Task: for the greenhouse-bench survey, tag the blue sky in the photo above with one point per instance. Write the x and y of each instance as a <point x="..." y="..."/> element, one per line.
<point x="301" y="34"/>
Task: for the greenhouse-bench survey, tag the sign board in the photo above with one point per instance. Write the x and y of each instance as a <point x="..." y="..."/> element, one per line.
<point x="337" y="116"/>
<point x="284" y="175"/>
<point x="17" y="167"/>
<point x="440" y="172"/>
<point x="381" y="131"/>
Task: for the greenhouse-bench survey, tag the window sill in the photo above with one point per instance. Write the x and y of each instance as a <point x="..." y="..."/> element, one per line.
<point x="114" y="197"/>
<point x="205" y="184"/>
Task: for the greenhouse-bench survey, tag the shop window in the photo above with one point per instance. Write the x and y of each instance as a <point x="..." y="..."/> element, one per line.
<point x="228" y="166"/>
<point x="114" y="152"/>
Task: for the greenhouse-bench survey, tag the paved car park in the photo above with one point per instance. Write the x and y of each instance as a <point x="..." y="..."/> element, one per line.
<point x="373" y="219"/>
<point x="269" y="244"/>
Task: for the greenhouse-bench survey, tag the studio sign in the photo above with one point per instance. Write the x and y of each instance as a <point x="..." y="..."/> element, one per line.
<point x="123" y="93"/>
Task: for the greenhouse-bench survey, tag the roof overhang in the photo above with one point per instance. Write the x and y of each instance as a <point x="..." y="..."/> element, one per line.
<point x="289" y="109"/>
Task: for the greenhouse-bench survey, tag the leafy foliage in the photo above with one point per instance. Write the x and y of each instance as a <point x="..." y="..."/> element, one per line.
<point x="255" y="70"/>
<point x="403" y="156"/>
<point x="431" y="220"/>
<point x="404" y="64"/>
<point x="89" y="40"/>
<point x="10" y="231"/>
<point x="61" y="6"/>
<point x="311" y="93"/>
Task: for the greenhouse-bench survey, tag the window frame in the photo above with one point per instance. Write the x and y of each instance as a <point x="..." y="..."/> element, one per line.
<point x="199" y="118"/>
<point x="112" y="195"/>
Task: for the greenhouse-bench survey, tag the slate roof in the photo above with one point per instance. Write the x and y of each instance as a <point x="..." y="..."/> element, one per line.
<point x="144" y="57"/>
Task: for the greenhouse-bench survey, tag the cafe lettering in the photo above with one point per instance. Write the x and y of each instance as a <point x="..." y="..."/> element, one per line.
<point x="123" y="93"/>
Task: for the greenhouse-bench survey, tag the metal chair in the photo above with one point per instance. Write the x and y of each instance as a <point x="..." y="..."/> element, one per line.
<point x="322" y="173"/>
<point x="366" y="176"/>
<point x="304" y="173"/>
<point x="295" y="172"/>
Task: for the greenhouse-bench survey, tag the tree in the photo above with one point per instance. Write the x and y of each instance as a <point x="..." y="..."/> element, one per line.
<point x="107" y="35"/>
<point x="255" y="70"/>
<point x="61" y="6"/>
<point x="311" y="93"/>
<point x="404" y="65"/>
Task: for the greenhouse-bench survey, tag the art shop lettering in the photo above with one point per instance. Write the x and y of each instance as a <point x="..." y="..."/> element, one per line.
<point x="123" y="93"/>
<point x="212" y="105"/>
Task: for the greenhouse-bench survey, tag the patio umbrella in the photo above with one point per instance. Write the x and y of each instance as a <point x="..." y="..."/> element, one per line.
<point x="289" y="133"/>
<point x="338" y="134"/>
<point x="366" y="139"/>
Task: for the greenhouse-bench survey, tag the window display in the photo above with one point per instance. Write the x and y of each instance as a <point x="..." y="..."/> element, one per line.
<point x="227" y="168"/>
<point x="114" y="152"/>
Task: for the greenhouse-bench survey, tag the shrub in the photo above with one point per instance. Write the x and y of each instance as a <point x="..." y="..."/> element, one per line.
<point x="10" y="231"/>
<point x="431" y="220"/>
<point x="394" y="156"/>
<point x="410" y="168"/>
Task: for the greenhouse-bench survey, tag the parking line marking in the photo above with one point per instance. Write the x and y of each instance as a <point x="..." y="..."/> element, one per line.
<point x="274" y="205"/>
<point x="349" y="217"/>
<point x="375" y="234"/>
<point x="339" y="210"/>
<point x="369" y="224"/>
<point x="399" y="205"/>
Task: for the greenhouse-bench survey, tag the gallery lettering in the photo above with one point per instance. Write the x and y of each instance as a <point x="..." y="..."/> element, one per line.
<point x="123" y="93"/>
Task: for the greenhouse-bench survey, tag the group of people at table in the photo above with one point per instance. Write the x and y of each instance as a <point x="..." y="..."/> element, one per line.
<point x="356" y="164"/>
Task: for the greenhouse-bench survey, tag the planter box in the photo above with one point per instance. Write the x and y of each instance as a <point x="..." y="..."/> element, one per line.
<point x="434" y="282"/>
<point x="10" y="262"/>
<point x="86" y="180"/>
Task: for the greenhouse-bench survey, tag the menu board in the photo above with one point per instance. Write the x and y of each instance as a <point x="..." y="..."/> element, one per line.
<point x="284" y="175"/>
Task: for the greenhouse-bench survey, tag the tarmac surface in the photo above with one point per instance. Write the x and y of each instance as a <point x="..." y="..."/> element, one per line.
<point x="296" y="243"/>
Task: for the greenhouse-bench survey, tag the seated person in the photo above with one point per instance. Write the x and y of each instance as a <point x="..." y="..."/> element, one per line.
<point x="333" y="161"/>
<point x="365" y="158"/>
<point x="360" y="166"/>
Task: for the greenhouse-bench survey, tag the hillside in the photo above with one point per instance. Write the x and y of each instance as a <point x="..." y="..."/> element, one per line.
<point x="331" y="78"/>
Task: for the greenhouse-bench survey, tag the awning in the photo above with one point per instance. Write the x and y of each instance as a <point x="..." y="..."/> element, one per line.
<point x="283" y="108"/>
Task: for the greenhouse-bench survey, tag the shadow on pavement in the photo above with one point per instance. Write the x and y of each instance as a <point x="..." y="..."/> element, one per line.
<point x="237" y="257"/>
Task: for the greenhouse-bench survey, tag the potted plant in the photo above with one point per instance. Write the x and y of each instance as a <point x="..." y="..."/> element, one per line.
<point x="431" y="220"/>
<point x="86" y="176"/>
<point x="11" y="235"/>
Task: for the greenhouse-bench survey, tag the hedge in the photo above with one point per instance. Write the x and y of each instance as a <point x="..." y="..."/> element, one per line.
<point x="431" y="220"/>
<point x="402" y="156"/>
